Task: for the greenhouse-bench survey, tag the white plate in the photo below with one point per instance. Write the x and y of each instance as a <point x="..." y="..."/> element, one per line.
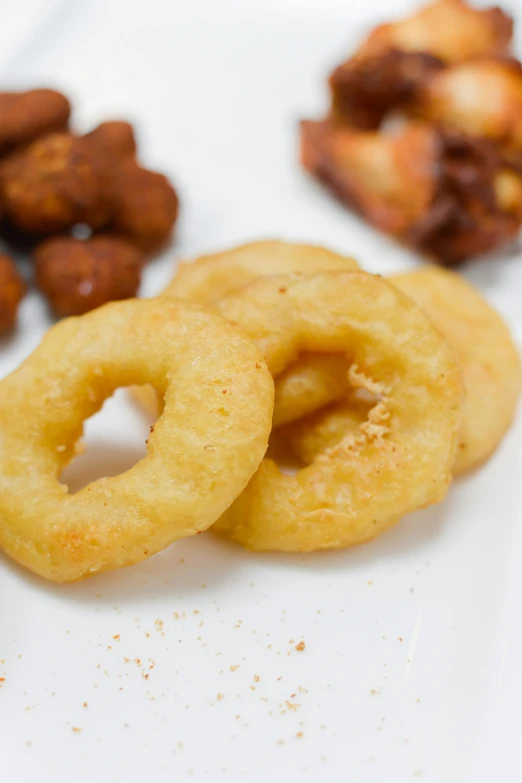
<point x="411" y="667"/>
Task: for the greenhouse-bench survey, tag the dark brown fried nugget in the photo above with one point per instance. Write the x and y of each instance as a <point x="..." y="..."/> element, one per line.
<point x="25" y="116"/>
<point x="146" y="207"/>
<point x="12" y="290"/>
<point x="79" y="275"/>
<point x="115" y="137"/>
<point x="58" y="181"/>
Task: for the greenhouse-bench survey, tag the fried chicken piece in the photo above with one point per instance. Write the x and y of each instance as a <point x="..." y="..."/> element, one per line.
<point x="58" y="181"/>
<point x="449" y="29"/>
<point x="387" y="179"/>
<point x="25" y="116"/>
<point x="445" y="194"/>
<point x="146" y="207"/>
<point x="398" y="57"/>
<point x="365" y="88"/>
<point x="79" y="275"/>
<point x="482" y="97"/>
<point x="115" y="137"/>
<point x="12" y="290"/>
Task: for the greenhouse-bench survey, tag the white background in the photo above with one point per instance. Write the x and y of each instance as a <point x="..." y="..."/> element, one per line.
<point x="413" y="643"/>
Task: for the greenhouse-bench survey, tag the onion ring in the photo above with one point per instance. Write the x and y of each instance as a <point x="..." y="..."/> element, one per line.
<point x="209" y="278"/>
<point x="402" y="459"/>
<point x="489" y="362"/>
<point x="200" y="455"/>
<point x="306" y="386"/>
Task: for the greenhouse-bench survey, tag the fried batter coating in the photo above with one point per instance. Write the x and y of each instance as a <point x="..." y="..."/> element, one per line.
<point x="24" y="116"/>
<point x="200" y="455"/>
<point x="77" y="276"/>
<point x="12" y="290"/>
<point x="401" y="460"/>
<point x="489" y="362"/>
<point x="368" y="86"/>
<point x="445" y="194"/>
<point x="146" y="207"/>
<point x="482" y="97"/>
<point x="58" y="181"/>
<point x="449" y="29"/>
<point x="115" y="137"/>
<point x="206" y="279"/>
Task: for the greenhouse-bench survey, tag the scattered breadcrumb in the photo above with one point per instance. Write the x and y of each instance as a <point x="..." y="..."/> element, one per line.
<point x="300" y="647"/>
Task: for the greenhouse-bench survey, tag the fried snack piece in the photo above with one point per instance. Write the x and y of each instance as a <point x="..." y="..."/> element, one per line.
<point x="482" y="97"/>
<point x="445" y="194"/>
<point x="146" y="207"/>
<point x="313" y="380"/>
<point x="402" y="459"/>
<point x="25" y="116"/>
<point x="115" y="137"/>
<point x="58" y="181"/>
<point x="366" y="87"/>
<point x="489" y="362"/>
<point x="449" y="29"/>
<point x="78" y="275"/>
<point x="200" y="454"/>
<point x="209" y="278"/>
<point x="12" y="290"/>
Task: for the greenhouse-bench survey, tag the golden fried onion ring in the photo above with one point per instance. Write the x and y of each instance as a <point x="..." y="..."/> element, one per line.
<point x="314" y="380"/>
<point x="489" y="362"/>
<point x="209" y="278"/>
<point x="402" y="458"/>
<point x="200" y="454"/>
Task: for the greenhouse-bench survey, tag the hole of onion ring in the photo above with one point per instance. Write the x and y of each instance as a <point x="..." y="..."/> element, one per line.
<point x="281" y="453"/>
<point x="113" y="441"/>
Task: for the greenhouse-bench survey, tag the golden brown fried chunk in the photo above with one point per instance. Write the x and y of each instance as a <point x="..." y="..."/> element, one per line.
<point x="449" y="29"/>
<point x="58" y="181"/>
<point x="445" y="194"/>
<point x="366" y="87"/>
<point x="115" y="137"/>
<point x="24" y="116"/>
<point x="388" y="179"/>
<point x="12" y="290"/>
<point x="146" y="207"/>
<point x="77" y="276"/>
<point x="482" y="97"/>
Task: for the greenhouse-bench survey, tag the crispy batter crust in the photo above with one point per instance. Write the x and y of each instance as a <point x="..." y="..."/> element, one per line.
<point x="446" y="194"/>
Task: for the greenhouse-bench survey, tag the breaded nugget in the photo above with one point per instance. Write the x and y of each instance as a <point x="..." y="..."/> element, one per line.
<point x="58" y="181"/>
<point x="24" y="116"/>
<point x="146" y="207"/>
<point x="12" y="290"/>
<point x="79" y="275"/>
<point x="115" y="137"/>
